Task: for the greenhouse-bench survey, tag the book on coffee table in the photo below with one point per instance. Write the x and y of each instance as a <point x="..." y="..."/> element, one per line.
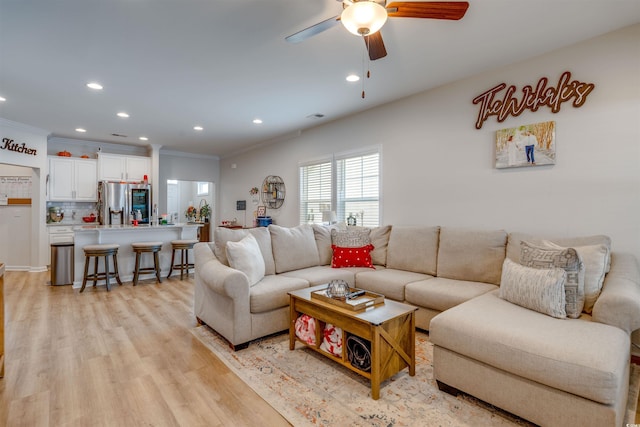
<point x="361" y="302"/>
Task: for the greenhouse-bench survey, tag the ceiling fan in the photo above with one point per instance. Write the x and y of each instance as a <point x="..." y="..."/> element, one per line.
<point x="366" y="17"/>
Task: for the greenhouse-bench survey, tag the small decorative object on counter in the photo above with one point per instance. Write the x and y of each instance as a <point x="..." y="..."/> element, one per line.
<point x="338" y="289"/>
<point x="351" y="220"/>
<point x="191" y="213"/>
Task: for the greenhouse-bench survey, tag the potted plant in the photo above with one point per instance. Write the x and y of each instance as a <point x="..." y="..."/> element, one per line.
<point x="205" y="211"/>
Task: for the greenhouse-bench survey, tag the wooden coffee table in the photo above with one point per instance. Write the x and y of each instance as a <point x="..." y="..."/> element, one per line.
<point x="389" y="327"/>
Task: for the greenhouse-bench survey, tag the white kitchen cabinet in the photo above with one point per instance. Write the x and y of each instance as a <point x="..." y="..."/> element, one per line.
<point x="73" y="179"/>
<point x="115" y="167"/>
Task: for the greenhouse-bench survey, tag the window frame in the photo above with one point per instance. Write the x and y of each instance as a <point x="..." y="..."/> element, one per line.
<point x="338" y="202"/>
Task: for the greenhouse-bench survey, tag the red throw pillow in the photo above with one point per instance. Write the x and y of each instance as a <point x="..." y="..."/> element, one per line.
<point x="351" y="257"/>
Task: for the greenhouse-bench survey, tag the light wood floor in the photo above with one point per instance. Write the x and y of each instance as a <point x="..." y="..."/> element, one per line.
<point x="122" y="358"/>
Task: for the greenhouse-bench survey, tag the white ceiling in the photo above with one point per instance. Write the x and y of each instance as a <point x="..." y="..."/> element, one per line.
<point x="174" y="64"/>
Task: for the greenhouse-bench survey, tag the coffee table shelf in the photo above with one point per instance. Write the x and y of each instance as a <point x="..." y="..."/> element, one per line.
<point x="389" y="327"/>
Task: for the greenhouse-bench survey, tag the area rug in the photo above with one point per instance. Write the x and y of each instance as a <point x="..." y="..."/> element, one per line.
<point x="311" y="390"/>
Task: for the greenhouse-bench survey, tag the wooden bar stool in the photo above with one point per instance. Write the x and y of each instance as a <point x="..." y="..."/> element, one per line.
<point x="183" y="246"/>
<point x="146" y="247"/>
<point x="97" y="251"/>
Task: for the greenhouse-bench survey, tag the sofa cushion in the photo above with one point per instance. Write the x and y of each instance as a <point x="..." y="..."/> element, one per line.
<point x="567" y="259"/>
<point x="380" y="241"/>
<point x="388" y="282"/>
<point x="222" y="235"/>
<point x="351" y="257"/>
<point x="513" y="247"/>
<point x="322" y="274"/>
<point x="272" y="292"/>
<point x="537" y="289"/>
<point x="245" y="256"/>
<point x="578" y="356"/>
<point x="441" y="294"/>
<point x="472" y="255"/>
<point x="595" y="259"/>
<point x="413" y="249"/>
<point x="322" y="234"/>
<point x="293" y="248"/>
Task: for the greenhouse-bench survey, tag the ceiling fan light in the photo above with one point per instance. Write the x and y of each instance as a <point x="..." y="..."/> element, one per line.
<point x="364" y="17"/>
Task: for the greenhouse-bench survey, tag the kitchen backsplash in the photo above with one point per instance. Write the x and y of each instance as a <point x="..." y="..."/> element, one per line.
<point x="73" y="211"/>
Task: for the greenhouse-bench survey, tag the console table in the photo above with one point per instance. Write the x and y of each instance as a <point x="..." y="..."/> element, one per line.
<point x="389" y="327"/>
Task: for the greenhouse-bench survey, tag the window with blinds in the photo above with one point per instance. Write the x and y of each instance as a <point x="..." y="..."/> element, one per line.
<point x="348" y="184"/>
<point x="315" y="191"/>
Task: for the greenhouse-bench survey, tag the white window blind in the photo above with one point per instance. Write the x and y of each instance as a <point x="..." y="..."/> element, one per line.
<point x="349" y="184"/>
<point x="358" y="185"/>
<point x="315" y="191"/>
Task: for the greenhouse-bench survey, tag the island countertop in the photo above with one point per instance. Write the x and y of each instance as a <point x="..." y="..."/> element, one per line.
<point x="125" y="235"/>
<point x="91" y="227"/>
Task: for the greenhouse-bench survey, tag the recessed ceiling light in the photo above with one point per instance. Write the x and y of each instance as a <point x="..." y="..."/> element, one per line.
<point x="198" y="128"/>
<point x="257" y="121"/>
<point x="123" y="115"/>
<point x="143" y="138"/>
<point x="81" y="130"/>
<point x="2" y="99"/>
<point x="94" y="85"/>
<point x="353" y="78"/>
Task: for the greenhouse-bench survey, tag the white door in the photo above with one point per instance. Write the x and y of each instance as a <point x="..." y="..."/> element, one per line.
<point x="173" y="198"/>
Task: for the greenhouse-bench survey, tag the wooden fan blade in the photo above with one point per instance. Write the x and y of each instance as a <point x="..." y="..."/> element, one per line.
<point x="375" y="45"/>
<point x="453" y="10"/>
<point x="313" y="30"/>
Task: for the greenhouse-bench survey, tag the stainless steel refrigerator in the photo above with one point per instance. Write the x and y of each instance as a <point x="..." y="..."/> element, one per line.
<point x="121" y="203"/>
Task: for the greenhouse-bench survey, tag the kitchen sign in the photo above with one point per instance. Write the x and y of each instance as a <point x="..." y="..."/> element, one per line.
<point x="502" y="105"/>
<point x="10" y="145"/>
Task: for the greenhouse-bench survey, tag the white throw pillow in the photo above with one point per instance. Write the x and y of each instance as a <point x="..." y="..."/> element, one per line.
<point x="245" y="256"/>
<point x="595" y="259"/>
<point x="538" y="289"/>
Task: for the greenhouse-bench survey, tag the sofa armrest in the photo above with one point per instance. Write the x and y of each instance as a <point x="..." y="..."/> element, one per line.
<point x="218" y="277"/>
<point x="619" y="302"/>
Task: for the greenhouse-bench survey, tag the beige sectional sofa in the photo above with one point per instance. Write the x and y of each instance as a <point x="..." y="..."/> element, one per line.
<point x="548" y="370"/>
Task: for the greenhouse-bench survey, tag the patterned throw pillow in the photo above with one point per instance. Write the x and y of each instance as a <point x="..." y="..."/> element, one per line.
<point x="306" y="329"/>
<point x="332" y="341"/>
<point x="567" y="259"/>
<point x="350" y="238"/>
<point x="351" y="257"/>
<point x="538" y="289"/>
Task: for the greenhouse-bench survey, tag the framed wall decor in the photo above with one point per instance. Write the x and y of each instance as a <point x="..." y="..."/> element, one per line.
<point x="526" y="145"/>
<point x="262" y="210"/>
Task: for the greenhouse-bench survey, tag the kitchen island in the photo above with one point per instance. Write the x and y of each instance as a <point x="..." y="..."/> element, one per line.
<point x="124" y="235"/>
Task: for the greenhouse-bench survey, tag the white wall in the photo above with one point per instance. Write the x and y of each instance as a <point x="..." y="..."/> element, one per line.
<point x="439" y="170"/>
<point x="188" y="167"/>
<point x="36" y="139"/>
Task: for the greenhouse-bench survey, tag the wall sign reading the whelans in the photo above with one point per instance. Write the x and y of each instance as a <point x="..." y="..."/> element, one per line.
<point x="492" y="103"/>
<point x="8" y="144"/>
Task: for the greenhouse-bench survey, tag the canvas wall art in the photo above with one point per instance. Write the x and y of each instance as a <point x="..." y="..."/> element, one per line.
<point x="526" y="145"/>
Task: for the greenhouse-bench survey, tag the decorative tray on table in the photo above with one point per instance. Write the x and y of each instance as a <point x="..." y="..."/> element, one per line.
<point x="356" y="299"/>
